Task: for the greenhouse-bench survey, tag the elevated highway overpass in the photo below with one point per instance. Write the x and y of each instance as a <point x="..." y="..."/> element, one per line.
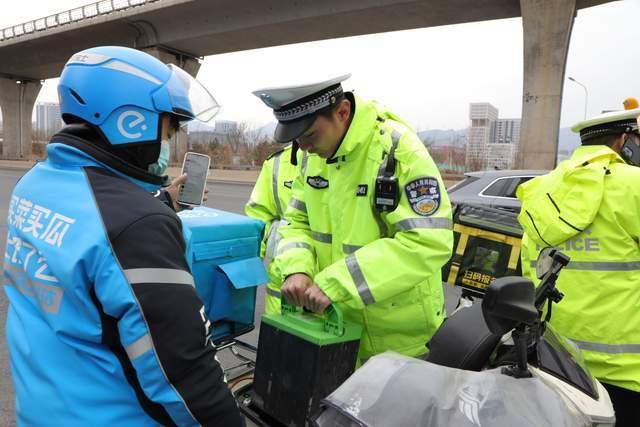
<point x="184" y="31"/>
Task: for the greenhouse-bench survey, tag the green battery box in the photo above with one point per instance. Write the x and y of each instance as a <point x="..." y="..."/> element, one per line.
<point x="302" y="358"/>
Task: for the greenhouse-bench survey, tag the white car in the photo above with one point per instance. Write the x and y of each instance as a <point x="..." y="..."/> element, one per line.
<point x="495" y="189"/>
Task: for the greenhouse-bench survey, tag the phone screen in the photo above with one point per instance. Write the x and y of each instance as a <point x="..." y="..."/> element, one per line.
<point x="196" y="166"/>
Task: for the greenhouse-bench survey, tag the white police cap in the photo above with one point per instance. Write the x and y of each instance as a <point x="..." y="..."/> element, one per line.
<point x="295" y="106"/>
<point x="614" y="122"/>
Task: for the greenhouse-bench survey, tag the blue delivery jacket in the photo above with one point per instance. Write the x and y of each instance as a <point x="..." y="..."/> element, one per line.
<point x="104" y="325"/>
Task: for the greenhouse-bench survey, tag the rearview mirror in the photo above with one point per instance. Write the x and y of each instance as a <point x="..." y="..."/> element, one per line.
<point x="508" y="302"/>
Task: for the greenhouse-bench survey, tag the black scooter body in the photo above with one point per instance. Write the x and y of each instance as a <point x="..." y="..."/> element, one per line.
<point x="465" y="342"/>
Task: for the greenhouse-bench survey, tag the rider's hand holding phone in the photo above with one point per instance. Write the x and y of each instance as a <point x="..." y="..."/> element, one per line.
<point x="196" y="166"/>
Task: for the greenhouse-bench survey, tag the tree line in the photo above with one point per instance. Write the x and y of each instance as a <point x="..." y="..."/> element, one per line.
<point x="242" y="148"/>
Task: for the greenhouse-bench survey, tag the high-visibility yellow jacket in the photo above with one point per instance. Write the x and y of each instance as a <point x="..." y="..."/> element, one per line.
<point x="382" y="269"/>
<point x="269" y="198"/>
<point x="589" y="207"/>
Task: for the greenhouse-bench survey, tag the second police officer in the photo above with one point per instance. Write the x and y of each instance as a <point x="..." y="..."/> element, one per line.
<point x="588" y="207"/>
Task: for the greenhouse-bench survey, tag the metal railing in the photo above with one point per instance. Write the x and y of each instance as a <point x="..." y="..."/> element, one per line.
<point x="92" y="10"/>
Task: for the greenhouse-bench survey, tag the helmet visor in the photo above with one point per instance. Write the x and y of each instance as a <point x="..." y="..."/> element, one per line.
<point x="190" y="100"/>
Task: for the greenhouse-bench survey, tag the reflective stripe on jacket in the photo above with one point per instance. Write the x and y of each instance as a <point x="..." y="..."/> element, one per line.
<point x="589" y="207"/>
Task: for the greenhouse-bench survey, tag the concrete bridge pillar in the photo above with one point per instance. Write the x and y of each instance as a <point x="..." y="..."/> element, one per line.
<point x="547" y="28"/>
<point x="191" y="65"/>
<point x="16" y="101"/>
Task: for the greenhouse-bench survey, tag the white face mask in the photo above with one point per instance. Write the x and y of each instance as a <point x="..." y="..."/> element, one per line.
<point x="160" y="166"/>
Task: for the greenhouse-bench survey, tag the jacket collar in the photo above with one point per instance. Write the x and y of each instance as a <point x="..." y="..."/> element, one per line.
<point x="360" y="128"/>
<point x="590" y="152"/>
<point x="67" y="149"/>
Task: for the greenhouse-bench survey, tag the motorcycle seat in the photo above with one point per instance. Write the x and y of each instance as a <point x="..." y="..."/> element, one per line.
<point x="463" y="341"/>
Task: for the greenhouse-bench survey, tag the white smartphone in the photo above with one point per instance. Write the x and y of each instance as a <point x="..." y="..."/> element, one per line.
<point x="196" y="166"/>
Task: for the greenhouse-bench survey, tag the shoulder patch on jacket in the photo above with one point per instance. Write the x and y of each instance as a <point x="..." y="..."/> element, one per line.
<point x="423" y="195"/>
<point x="317" y="182"/>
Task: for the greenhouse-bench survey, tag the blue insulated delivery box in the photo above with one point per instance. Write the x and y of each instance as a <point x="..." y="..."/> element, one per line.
<point x="223" y="253"/>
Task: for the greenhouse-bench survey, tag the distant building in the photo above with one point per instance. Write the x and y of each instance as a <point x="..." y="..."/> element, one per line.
<point x="507" y="131"/>
<point x="503" y="145"/>
<point x="48" y="119"/>
<point x="219" y="133"/>
<point x="483" y="116"/>
<point x="225" y="127"/>
<point x="500" y="156"/>
<point x="493" y="142"/>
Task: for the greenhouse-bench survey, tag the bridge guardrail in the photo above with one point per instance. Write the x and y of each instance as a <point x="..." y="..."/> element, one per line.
<point x="88" y="11"/>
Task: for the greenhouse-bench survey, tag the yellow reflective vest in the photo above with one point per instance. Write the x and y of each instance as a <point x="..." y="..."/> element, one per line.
<point x="589" y="207"/>
<point x="269" y="198"/>
<point x="382" y="269"/>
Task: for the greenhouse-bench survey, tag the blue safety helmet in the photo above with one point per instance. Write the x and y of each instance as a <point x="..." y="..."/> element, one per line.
<point x="123" y="92"/>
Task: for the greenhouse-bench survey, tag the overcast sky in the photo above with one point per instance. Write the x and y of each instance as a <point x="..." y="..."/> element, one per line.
<point x="442" y="69"/>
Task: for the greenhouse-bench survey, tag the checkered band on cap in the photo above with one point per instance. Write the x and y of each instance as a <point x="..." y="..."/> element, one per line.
<point x="623" y="126"/>
<point x="307" y="106"/>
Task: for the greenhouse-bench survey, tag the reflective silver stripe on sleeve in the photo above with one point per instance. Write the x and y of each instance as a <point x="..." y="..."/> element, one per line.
<point x="139" y="347"/>
<point x="412" y="223"/>
<point x="321" y="237"/>
<point x="349" y="249"/>
<point x="272" y="240"/>
<point x="294" y="245"/>
<point x="301" y="206"/>
<point x="599" y="265"/>
<point x="305" y="158"/>
<point x="273" y="292"/>
<point x="158" y="275"/>
<point x="359" y="280"/>
<point x="274" y="183"/>
<point x="607" y="348"/>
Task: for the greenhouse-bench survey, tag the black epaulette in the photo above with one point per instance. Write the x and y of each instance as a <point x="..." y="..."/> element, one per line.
<point x="278" y="152"/>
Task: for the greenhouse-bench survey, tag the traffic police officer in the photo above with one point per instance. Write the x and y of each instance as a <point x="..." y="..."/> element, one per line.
<point x="269" y="198"/>
<point x="369" y="218"/>
<point x="588" y="207"/>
